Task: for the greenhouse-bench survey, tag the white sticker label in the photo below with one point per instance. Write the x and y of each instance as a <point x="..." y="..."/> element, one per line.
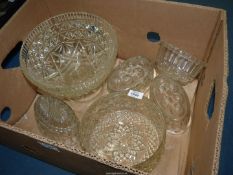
<point x="48" y="146"/>
<point x="135" y="94"/>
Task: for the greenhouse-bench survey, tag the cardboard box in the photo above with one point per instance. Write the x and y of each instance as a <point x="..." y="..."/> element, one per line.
<point x="199" y="30"/>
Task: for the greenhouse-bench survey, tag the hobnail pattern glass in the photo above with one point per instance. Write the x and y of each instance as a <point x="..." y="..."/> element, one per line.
<point x="173" y="102"/>
<point x="56" y="120"/>
<point x="125" y="130"/>
<point x="135" y="73"/>
<point x="177" y="64"/>
<point x="69" y="55"/>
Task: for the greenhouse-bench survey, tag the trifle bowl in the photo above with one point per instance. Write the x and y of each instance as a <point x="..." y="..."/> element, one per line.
<point x="124" y="130"/>
<point x="69" y="55"/>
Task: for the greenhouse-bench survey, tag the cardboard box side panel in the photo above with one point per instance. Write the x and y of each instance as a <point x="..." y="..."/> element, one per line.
<point x="214" y="125"/>
<point x="15" y="93"/>
<point x="202" y="151"/>
<point x="54" y="155"/>
<point x="187" y="27"/>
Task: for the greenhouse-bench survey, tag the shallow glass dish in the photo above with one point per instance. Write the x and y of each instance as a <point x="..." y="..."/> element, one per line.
<point x="173" y="101"/>
<point x="125" y="130"/>
<point x="69" y="55"/>
<point x="56" y="120"/>
<point x="135" y="73"/>
<point x="177" y="64"/>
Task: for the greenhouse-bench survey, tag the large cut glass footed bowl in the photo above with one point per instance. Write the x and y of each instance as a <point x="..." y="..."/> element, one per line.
<point x="69" y="55"/>
<point x="125" y="130"/>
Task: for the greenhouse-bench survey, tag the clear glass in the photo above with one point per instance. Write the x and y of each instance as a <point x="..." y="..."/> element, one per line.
<point x="92" y="96"/>
<point x="69" y="55"/>
<point x="125" y="130"/>
<point x="56" y="120"/>
<point x="173" y="102"/>
<point x="135" y="73"/>
<point x="177" y="64"/>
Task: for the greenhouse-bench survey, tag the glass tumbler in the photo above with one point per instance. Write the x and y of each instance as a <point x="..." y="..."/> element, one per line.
<point x="177" y="64"/>
<point x="56" y="120"/>
<point x="173" y="101"/>
<point x="125" y="130"/>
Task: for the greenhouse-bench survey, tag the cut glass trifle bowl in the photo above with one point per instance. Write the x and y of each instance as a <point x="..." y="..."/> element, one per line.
<point x="69" y="55"/>
<point x="125" y="130"/>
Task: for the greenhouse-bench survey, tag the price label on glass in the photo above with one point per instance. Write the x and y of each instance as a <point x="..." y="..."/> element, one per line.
<point x="135" y="94"/>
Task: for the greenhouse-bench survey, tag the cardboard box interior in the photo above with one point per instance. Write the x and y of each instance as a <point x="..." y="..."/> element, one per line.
<point x="173" y="159"/>
<point x="198" y="30"/>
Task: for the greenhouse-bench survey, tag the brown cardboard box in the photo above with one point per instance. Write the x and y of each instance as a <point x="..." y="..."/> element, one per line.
<point x="198" y="30"/>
